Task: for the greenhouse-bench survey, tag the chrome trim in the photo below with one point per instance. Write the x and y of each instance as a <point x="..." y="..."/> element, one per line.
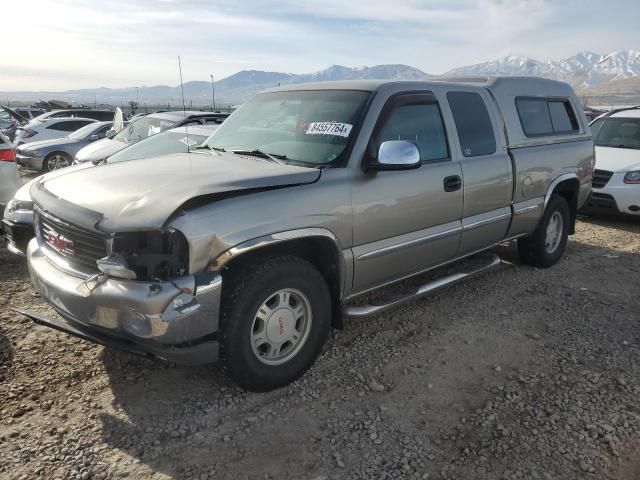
<point x="215" y="284"/>
<point x="523" y="210"/>
<point x="486" y="221"/>
<point x="250" y="245"/>
<point x="554" y="184"/>
<point x="543" y="143"/>
<point x="15" y="250"/>
<point x="60" y="262"/>
<point x="410" y="243"/>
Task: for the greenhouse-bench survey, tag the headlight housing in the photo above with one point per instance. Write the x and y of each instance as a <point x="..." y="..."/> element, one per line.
<point x="153" y="255"/>
<point x="632" y="177"/>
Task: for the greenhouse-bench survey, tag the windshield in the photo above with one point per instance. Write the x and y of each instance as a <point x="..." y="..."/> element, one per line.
<point x="83" y="132"/>
<point x="617" y="132"/>
<point x="142" y="128"/>
<point x="161" y="144"/>
<point x="312" y="127"/>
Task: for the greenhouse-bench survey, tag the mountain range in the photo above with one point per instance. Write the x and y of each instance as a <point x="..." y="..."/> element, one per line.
<point x="587" y="72"/>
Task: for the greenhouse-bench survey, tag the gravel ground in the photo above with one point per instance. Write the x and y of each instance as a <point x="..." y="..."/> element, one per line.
<point x="518" y="374"/>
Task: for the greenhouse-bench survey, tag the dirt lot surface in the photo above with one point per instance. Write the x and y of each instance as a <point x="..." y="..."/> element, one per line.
<point x="518" y="374"/>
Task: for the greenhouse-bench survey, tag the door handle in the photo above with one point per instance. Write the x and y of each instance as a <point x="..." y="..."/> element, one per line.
<point x="452" y="183"/>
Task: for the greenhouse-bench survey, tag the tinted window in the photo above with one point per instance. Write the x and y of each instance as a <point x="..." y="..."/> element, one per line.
<point x="562" y="117"/>
<point x="70" y="126"/>
<point x="24" y="113"/>
<point x="473" y="124"/>
<point x="420" y="124"/>
<point x="534" y="116"/>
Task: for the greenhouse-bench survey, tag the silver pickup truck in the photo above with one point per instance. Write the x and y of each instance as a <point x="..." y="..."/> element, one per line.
<point x="307" y="197"/>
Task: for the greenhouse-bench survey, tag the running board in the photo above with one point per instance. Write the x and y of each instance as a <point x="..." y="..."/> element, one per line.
<point x="470" y="267"/>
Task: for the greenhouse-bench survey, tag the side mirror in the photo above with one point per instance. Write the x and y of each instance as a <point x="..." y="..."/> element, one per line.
<point x="94" y="137"/>
<point x="396" y="155"/>
<point x="111" y="133"/>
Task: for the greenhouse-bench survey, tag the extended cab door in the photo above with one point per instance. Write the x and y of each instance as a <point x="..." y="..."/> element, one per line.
<point x="406" y="221"/>
<point x="486" y="168"/>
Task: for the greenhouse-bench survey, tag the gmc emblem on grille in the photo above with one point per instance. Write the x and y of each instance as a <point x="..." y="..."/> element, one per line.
<point x="59" y="243"/>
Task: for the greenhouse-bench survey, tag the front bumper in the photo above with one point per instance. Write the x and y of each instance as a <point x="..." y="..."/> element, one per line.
<point x="18" y="235"/>
<point x="32" y="163"/>
<point x="616" y="197"/>
<point x="162" y="319"/>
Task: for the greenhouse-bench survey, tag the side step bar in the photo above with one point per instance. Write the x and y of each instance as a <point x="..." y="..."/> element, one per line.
<point x="470" y="267"/>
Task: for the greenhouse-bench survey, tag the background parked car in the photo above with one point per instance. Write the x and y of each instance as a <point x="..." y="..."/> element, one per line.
<point x="9" y="178"/>
<point x="47" y="155"/>
<point x="616" y="179"/>
<point x="176" y="140"/>
<point x="11" y="119"/>
<point x="144" y="127"/>
<point x="101" y="115"/>
<point x="48" y="128"/>
<point x="17" y="225"/>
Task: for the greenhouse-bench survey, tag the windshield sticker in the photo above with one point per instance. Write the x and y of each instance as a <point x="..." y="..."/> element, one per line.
<point x="153" y="130"/>
<point x="189" y="142"/>
<point x="329" y="128"/>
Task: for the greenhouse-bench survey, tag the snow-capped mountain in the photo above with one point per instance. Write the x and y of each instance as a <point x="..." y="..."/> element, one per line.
<point x="583" y="70"/>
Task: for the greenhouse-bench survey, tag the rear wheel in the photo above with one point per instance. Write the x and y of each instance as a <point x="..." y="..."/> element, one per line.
<point x="275" y="320"/>
<point x="55" y="161"/>
<point x="546" y="245"/>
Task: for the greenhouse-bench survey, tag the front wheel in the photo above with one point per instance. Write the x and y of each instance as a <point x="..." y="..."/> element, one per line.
<point x="547" y="243"/>
<point x="275" y="320"/>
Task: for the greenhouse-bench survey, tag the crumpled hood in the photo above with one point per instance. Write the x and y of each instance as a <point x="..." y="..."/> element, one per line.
<point x="100" y="149"/>
<point x="617" y="159"/>
<point x="144" y="194"/>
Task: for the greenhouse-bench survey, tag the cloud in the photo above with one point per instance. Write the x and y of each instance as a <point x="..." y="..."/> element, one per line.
<point x="74" y="43"/>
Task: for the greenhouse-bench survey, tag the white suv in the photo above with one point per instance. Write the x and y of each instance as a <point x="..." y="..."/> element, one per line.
<point x="49" y="128"/>
<point x="616" y="179"/>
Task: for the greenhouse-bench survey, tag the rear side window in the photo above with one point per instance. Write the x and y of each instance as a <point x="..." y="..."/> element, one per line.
<point x="562" y="117"/>
<point x="420" y="124"/>
<point x="473" y="123"/>
<point x="71" y="126"/>
<point x="541" y="117"/>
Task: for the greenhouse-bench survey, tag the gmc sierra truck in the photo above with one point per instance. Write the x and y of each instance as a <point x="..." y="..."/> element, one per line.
<point x="307" y="197"/>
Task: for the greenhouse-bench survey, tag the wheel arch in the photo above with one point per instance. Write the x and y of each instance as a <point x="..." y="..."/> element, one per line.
<point x="318" y="246"/>
<point x="568" y="187"/>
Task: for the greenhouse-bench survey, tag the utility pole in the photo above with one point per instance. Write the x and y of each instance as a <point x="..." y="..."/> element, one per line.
<point x="213" y="94"/>
<point x="137" y="95"/>
<point x="95" y="102"/>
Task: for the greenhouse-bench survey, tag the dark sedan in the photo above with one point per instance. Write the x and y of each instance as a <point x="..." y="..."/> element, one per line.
<point x="48" y="155"/>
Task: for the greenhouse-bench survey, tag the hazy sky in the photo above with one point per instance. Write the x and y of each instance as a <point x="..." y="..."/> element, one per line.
<point x="64" y="44"/>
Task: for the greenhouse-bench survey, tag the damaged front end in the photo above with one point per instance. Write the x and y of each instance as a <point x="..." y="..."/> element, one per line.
<point x="129" y="290"/>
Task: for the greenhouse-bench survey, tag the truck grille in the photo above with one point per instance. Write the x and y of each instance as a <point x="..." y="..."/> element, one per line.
<point x="601" y="178"/>
<point x="78" y="246"/>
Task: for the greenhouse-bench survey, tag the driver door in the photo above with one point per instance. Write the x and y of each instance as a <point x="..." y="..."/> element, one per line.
<point x="407" y="221"/>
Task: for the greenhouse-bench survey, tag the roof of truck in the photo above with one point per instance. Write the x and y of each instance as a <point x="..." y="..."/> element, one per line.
<point x="491" y="82"/>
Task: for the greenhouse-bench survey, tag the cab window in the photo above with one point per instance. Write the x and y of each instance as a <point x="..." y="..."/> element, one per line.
<point x="418" y="121"/>
<point x="473" y="124"/>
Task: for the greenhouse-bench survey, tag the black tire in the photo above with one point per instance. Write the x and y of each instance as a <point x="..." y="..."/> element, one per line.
<point x="251" y="289"/>
<point x="533" y="250"/>
<point x="45" y="162"/>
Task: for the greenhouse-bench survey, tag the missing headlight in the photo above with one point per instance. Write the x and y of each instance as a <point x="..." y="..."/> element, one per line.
<point x="154" y="255"/>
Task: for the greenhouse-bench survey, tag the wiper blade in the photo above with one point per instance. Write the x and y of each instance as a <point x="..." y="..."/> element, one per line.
<point x="256" y="152"/>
